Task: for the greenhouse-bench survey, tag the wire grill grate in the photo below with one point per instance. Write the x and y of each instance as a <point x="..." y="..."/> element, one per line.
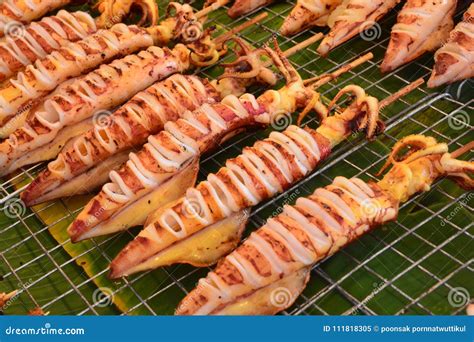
<point x="411" y="266"/>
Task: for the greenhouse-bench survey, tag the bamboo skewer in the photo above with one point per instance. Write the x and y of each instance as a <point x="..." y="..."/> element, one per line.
<point x="211" y="8"/>
<point x="318" y="81"/>
<point x="240" y="28"/>
<point x="294" y="49"/>
<point x="400" y="93"/>
<point x="463" y="149"/>
<point x="303" y="44"/>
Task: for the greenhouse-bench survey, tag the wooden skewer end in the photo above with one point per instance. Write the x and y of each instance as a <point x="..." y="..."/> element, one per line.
<point x="211" y="8"/>
<point x="463" y="149"/>
<point x="241" y="27"/>
<point x="402" y="92"/>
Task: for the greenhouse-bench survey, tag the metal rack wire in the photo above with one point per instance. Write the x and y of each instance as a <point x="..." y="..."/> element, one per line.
<point x="359" y="280"/>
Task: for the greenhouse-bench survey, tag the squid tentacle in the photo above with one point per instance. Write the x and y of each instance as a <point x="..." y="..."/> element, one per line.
<point x="115" y="11"/>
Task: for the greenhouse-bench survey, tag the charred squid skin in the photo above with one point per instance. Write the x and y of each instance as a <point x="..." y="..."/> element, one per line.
<point x="351" y="18"/>
<point x="454" y="60"/>
<point x="321" y="224"/>
<point x="92" y="95"/>
<point x="25" y="11"/>
<point x="308" y="13"/>
<point x="144" y="114"/>
<point x="96" y="93"/>
<point x="255" y="166"/>
<point x="166" y="153"/>
<point x="72" y="60"/>
<point x="297" y="238"/>
<point x="199" y="131"/>
<point x="41" y="38"/>
<point x="268" y="168"/>
<point x="187" y="138"/>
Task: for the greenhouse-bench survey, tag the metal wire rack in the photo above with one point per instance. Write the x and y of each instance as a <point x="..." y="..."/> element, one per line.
<point x="416" y="265"/>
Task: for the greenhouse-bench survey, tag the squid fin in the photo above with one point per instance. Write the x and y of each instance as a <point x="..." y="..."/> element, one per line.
<point x="136" y="213"/>
<point x="206" y="247"/>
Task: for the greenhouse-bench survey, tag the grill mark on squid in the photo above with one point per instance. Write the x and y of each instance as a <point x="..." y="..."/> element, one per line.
<point x="41" y="38"/>
<point x="285" y="248"/>
<point x="69" y="61"/>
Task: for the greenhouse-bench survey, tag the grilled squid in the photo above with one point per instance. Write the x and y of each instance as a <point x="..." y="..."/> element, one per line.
<point x="354" y="17"/>
<point x="25" y="11"/>
<point x="19" y="94"/>
<point x="39" y="79"/>
<point x="268" y="168"/>
<point x="241" y="7"/>
<point x="86" y="100"/>
<point x="178" y="148"/>
<point x="455" y="60"/>
<point x="421" y="26"/>
<point x="145" y="114"/>
<point x="23" y="45"/>
<point x="41" y="38"/>
<point x="114" y="11"/>
<point x="16" y="13"/>
<point x="306" y="14"/>
<point x="279" y="255"/>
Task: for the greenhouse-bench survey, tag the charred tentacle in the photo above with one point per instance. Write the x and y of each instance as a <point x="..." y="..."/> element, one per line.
<point x="115" y="11"/>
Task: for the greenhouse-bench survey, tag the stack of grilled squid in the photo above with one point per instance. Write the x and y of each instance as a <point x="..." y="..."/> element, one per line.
<point x="58" y="96"/>
<point x="208" y="221"/>
<point x="203" y="226"/>
<point x="422" y="26"/>
<point x="181" y="118"/>
<point x="64" y="76"/>
<point x="24" y="41"/>
<point x="112" y="11"/>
